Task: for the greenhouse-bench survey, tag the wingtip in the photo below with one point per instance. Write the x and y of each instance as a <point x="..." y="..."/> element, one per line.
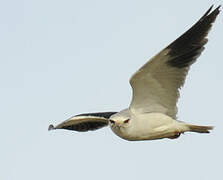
<point x="51" y="127"/>
<point x="208" y="11"/>
<point x="211" y="7"/>
<point x="218" y="9"/>
<point x="215" y="11"/>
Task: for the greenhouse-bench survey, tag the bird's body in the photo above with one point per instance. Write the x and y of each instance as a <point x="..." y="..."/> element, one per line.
<point x="146" y="126"/>
<point x="150" y="126"/>
<point x="152" y="112"/>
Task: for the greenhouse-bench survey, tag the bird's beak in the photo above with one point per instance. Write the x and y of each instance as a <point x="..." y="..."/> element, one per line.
<point x="118" y="124"/>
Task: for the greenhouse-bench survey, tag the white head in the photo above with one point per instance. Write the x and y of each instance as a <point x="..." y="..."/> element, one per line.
<point x="121" y="120"/>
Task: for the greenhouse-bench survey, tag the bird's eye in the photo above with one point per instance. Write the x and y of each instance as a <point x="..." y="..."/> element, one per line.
<point x="126" y="121"/>
<point x="112" y="122"/>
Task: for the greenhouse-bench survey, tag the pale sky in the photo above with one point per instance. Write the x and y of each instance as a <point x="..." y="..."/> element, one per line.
<point x="61" y="58"/>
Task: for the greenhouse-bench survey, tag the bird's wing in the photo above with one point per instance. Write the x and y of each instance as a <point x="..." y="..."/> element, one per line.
<point x="156" y="84"/>
<point x="85" y="122"/>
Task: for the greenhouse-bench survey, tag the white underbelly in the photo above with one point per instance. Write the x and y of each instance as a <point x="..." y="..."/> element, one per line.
<point x="148" y="126"/>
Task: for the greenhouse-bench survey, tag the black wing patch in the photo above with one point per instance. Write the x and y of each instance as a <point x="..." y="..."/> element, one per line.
<point x="189" y="46"/>
<point x="85" y="126"/>
<point x="85" y="122"/>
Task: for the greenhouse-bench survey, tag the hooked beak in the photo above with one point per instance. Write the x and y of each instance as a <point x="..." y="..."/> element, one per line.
<point x="118" y="126"/>
<point x="115" y="124"/>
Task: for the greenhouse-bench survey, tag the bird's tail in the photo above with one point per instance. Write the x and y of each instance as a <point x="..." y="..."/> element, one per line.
<point x="199" y="129"/>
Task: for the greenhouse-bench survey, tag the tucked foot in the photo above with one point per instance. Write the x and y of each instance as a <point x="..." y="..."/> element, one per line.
<point x="175" y="136"/>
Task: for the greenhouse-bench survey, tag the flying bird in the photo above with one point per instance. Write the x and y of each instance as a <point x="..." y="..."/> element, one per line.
<point x="152" y="112"/>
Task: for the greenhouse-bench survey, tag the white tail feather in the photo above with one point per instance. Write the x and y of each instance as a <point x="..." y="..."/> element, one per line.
<point x="199" y="129"/>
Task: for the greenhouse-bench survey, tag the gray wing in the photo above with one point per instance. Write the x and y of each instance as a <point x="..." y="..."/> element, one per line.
<point x="85" y="122"/>
<point x="156" y="84"/>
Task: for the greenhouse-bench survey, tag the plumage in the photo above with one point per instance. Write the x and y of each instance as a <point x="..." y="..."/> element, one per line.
<point x="85" y="122"/>
<point x="165" y="73"/>
<point x="153" y="109"/>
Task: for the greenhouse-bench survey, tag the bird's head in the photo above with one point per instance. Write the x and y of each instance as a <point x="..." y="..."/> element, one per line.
<point x="120" y="120"/>
<point x="119" y="124"/>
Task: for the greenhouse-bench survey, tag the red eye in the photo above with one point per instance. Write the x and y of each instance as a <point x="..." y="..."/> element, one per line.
<point x="126" y="121"/>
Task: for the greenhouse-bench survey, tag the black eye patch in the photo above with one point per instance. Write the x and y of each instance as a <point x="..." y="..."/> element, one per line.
<point x="126" y="121"/>
<point x="112" y="122"/>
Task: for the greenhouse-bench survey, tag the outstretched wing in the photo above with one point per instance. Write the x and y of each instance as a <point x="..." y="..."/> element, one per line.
<point x="156" y="84"/>
<point x="85" y="122"/>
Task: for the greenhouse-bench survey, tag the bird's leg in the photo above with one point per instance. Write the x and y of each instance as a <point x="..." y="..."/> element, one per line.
<point x="176" y="135"/>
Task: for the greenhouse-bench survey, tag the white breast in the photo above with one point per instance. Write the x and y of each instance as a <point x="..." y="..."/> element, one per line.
<point x="146" y="126"/>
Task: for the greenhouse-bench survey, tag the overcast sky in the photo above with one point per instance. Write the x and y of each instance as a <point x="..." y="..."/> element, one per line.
<point x="61" y="58"/>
